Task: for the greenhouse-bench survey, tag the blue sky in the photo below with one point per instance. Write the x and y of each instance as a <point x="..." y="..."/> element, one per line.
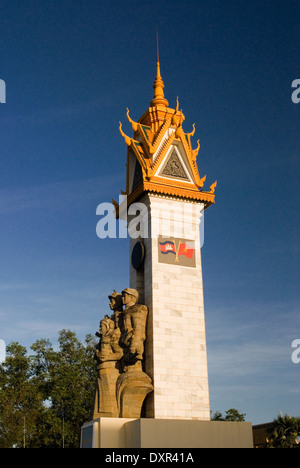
<point x="71" y="68"/>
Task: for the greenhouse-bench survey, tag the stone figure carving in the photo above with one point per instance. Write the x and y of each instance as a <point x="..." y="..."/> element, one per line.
<point x="122" y="385"/>
<point x="107" y="354"/>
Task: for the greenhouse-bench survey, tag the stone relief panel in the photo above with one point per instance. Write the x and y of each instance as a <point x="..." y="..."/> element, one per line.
<point x="174" y="168"/>
<point x="175" y="251"/>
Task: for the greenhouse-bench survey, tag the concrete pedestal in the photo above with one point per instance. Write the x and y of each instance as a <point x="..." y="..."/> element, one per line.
<point x="121" y="433"/>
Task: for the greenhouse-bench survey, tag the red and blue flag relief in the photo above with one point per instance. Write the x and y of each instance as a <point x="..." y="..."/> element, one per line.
<point x="186" y="250"/>
<point x="167" y="247"/>
<point x="182" y="251"/>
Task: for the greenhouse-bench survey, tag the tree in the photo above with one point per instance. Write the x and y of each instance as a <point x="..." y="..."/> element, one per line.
<point x="67" y="380"/>
<point x="231" y="415"/>
<point x="49" y="393"/>
<point x="20" y="401"/>
<point x="284" y="432"/>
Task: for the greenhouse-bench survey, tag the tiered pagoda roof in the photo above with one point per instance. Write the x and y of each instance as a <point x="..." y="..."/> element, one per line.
<point x="160" y="156"/>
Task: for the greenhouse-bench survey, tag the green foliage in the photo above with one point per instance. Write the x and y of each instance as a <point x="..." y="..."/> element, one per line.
<point x="284" y="432"/>
<point x="46" y="397"/>
<point x="230" y="415"/>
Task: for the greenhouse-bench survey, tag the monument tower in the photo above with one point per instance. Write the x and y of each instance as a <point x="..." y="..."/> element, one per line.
<point x="165" y="269"/>
<point x="152" y="380"/>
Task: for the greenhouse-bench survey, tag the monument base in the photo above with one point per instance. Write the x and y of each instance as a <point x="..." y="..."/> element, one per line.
<point x="121" y="433"/>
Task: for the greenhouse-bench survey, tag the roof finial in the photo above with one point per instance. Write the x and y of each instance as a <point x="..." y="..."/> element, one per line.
<point x="158" y="86"/>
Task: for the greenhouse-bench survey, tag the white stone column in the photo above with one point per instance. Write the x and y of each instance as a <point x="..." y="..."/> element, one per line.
<point x="175" y="349"/>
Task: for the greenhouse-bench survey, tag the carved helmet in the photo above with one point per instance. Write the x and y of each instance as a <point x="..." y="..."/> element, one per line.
<point x="117" y="297"/>
<point x="131" y="292"/>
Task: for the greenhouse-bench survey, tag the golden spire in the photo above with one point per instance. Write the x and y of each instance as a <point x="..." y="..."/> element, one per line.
<point x="158" y="86"/>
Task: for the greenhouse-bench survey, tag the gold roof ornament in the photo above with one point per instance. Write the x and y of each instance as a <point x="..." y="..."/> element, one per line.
<point x="213" y="187"/>
<point x="126" y="138"/>
<point x="192" y="133"/>
<point x="196" y="151"/>
<point x="134" y="124"/>
<point x="158" y="86"/>
<point x="159" y="140"/>
<point x="179" y="131"/>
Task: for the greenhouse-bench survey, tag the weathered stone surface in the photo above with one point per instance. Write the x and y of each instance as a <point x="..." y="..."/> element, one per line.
<point x="121" y="383"/>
